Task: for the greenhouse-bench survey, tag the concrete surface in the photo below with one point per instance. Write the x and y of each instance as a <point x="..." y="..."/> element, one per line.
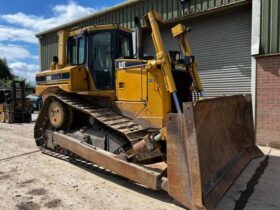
<point x="30" y="180"/>
<point x="258" y="184"/>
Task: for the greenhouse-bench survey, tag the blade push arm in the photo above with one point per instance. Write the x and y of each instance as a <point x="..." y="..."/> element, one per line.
<point x="180" y="32"/>
<point x="163" y="59"/>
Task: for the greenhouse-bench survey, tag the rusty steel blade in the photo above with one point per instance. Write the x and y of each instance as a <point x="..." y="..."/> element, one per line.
<point x="207" y="148"/>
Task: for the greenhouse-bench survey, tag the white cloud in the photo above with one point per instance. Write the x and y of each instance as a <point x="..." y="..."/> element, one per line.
<point x="24" y="70"/>
<point x="22" y="27"/>
<point x="61" y="14"/>
<point x="14" y="55"/>
<point x="15" y="52"/>
<point x="20" y="66"/>
<point x="8" y="33"/>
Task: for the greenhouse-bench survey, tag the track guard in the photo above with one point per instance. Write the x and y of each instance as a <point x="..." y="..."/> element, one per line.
<point x="207" y="148"/>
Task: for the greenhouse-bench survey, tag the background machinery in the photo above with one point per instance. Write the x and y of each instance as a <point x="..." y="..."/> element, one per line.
<point x="141" y="117"/>
<point x="14" y="108"/>
<point x="35" y="100"/>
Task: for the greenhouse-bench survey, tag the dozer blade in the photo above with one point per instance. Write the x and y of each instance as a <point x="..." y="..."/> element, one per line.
<point x="207" y="148"/>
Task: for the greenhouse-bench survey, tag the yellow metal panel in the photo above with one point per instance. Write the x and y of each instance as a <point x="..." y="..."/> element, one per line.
<point x="79" y="79"/>
<point x="130" y="109"/>
<point x="129" y="85"/>
<point x="141" y="114"/>
<point x="178" y="30"/>
<point x="42" y="89"/>
<point x="143" y="84"/>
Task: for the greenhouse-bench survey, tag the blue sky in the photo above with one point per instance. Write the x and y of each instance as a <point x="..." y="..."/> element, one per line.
<point x="20" y="20"/>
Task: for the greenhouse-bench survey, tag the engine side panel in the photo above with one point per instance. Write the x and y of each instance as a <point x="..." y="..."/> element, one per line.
<point x="68" y="79"/>
<point x="141" y="93"/>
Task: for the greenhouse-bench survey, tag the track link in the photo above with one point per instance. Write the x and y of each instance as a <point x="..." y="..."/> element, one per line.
<point x="110" y="119"/>
<point x="106" y="116"/>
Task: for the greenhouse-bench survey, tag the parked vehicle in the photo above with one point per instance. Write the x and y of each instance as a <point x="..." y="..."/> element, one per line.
<point x="36" y="101"/>
<point x="14" y="108"/>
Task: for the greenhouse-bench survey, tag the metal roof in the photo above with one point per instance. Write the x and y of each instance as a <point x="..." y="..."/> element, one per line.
<point x="124" y="14"/>
<point x="96" y="14"/>
<point x="165" y="7"/>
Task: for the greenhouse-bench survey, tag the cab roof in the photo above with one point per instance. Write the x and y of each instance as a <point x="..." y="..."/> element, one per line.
<point x="99" y="28"/>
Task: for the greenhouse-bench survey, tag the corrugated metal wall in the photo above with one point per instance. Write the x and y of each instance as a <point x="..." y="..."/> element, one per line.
<point x="270" y="27"/>
<point x="222" y="44"/>
<point x="170" y="9"/>
<point x="48" y="49"/>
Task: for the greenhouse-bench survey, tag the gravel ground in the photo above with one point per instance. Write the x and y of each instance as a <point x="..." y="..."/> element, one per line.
<point x="30" y="180"/>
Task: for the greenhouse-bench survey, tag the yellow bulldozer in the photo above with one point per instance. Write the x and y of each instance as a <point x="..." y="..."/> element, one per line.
<point x="144" y="118"/>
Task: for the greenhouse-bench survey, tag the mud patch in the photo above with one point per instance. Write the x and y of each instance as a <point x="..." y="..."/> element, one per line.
<point x="30" y="205"/>
<point x="28" y="181"/>
<point x="14" y="169"/>
<point x="25" y="183"/>
<point x="38" y="191"/>
<point x="4" y="177"/>
<point x="53" y="204"/>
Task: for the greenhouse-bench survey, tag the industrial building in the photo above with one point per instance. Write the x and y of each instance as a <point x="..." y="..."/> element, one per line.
<point x="236" y="44"/>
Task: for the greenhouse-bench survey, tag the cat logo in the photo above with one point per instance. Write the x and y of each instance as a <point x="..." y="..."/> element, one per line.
<point x="121" y="65"/>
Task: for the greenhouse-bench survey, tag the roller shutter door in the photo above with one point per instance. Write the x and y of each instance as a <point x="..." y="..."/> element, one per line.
<point x="221" y="44"/>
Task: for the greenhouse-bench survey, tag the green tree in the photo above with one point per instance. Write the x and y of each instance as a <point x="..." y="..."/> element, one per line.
<point x="6" y="75"/>
<point x="5" y="71"/>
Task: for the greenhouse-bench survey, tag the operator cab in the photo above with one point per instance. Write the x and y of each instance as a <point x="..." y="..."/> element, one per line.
<point x="98" y="49"/>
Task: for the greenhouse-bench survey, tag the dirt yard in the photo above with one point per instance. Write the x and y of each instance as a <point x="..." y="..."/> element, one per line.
<point x="30" y="180"/>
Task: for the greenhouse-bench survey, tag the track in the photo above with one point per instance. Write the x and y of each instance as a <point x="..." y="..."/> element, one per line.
<point x="110" y="119"/>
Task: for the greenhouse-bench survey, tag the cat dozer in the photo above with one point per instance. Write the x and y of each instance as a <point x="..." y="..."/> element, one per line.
<point x="143" y="118"/>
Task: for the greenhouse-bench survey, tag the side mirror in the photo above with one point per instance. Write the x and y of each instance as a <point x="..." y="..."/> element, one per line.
<point x="55" y="59"/>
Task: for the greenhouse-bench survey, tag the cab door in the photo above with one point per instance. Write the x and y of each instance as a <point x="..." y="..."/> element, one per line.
<point x="101" y="61"/>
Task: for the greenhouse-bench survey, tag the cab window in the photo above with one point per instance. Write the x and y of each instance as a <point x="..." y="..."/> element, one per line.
<point x="76" y="50"/>
<point x="125" y="46"/>
<point x="103" y="59"/>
